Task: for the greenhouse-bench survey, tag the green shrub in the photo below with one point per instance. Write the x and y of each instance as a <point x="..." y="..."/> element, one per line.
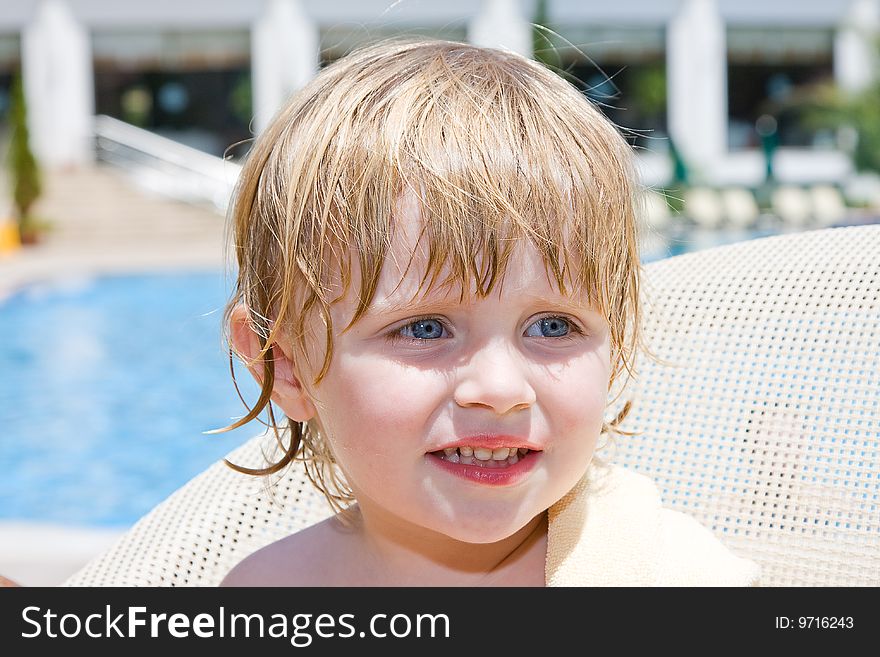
<point x="23" y="168"/>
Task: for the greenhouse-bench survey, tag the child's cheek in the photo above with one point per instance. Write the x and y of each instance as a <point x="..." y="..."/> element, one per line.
<point x="376" y="404"/>
<point x="580" y="410"/>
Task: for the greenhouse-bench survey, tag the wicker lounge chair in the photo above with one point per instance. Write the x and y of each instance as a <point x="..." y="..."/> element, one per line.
<point x="766" y="427"/>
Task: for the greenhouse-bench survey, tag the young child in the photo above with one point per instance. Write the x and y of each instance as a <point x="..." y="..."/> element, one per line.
<point x="438" y="285"/>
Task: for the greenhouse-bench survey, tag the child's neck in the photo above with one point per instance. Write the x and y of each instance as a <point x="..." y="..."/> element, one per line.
<point x="394" y="555"/>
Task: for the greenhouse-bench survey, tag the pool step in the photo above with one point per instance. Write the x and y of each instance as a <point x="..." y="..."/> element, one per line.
<point x="97" y="204"/>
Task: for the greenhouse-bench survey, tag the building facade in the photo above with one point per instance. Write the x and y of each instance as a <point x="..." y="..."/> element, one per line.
<point x="696" y="74"/>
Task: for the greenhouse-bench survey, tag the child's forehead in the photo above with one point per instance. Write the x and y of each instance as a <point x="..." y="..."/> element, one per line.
<point x="405" y="281"/>
<point x="431" y="263"/>
<point x="409" y="254"/>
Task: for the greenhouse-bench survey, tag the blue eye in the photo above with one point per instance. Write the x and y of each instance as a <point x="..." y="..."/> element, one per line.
<point x="432" y="328"/>
<point x="552" y="327"/>
<point x="422" y="329"/>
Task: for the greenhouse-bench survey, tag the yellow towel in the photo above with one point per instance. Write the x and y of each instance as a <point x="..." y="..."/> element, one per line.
<point x="611" y="530"/>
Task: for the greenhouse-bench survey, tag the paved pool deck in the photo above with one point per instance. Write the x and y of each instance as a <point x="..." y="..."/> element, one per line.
<point x="38" y="554"/>
<point x="101" y="224"/>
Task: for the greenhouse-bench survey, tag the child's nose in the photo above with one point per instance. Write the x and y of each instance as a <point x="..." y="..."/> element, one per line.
<point x="495" y="377"/>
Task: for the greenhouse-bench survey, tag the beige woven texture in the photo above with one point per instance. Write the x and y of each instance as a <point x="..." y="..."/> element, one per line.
<point x="765" y="426"/>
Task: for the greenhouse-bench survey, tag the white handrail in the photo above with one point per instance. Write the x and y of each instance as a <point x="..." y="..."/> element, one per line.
<point x="164" y="165"/>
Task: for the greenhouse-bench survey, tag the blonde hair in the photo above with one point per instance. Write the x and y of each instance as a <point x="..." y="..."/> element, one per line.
<point x="496" y="148"/>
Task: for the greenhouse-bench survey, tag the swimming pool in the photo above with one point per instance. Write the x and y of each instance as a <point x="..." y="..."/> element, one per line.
<point x="106" y="386"/>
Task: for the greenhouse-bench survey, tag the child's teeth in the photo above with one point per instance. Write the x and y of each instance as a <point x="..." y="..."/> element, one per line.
<point x="491" y="458"/>
<point x="482" y="453"/>
<point x="500" y="454"/>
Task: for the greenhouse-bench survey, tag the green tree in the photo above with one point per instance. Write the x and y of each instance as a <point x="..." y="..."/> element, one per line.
<point x="544" y="49"/>
<point x="828" y="106"/>
<point x="23" y="169"/>
<point x="649" y="89"/>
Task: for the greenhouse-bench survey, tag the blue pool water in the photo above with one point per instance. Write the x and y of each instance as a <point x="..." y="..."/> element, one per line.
<point x="685" y="239"/>
<point x="105" y="387"/>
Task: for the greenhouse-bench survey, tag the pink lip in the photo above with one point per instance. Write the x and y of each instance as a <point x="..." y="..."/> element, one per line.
<point x="505" y="476"/>
<point x="491" y="441"/>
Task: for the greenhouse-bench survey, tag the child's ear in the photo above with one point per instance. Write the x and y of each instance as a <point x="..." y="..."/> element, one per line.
<point x="287" y="391"/>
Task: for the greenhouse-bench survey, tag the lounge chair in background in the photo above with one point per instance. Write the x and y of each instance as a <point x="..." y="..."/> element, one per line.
<point x="703" y="206"/>
<point x="656" y="213"/>
<point x="740" y="208"/>
<point x="762" y="422"/>
<point x="863" y="190"/>
<point x="829" y="207"/>
<point x="792" y="205"/>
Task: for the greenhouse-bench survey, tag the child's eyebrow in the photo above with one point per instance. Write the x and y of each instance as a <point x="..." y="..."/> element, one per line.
<point x="386" y="307"/>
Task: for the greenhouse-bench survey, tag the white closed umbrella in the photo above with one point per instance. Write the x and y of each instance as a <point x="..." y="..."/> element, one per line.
<point x="697" y="70"/>
<point x="284" y="49"/>
<point x="500" y="24"/>
<point x="59" y="85"/>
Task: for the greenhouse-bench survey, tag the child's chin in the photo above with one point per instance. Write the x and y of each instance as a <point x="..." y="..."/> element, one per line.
<point x="483" y="534"/>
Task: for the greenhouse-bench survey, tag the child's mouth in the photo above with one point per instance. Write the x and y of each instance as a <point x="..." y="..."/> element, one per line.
<point x="503" y="457"/>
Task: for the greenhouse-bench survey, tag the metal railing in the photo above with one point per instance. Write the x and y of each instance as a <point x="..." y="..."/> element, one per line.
<point x="164" y="166"/>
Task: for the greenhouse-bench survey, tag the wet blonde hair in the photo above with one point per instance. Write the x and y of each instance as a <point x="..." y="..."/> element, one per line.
<point x="496" y="148"/>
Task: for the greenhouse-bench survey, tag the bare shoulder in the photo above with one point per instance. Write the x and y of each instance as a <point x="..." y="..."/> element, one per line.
<point x="301" y="559"/>
<point x="6" y="582"/>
